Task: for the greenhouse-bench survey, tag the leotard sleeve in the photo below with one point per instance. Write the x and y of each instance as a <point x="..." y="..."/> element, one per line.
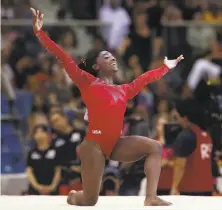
<point x="77" y="75"/>
<point x="133" y="88"/>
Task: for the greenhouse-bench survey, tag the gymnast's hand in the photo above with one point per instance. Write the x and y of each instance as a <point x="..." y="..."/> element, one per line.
<point x="172" y="63"/>
<point x="37" y="18"/>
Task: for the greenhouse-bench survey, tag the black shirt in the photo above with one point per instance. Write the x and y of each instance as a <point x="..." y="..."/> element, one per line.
<point x="185" y="143"/>
<point x="66" y="145"/>
<point x="142" y="47"/>
<point x="43" y="164"/>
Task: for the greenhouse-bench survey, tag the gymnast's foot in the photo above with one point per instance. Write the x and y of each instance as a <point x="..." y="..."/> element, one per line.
<point x="156" y="201"/>
<point x="71" y="198"/>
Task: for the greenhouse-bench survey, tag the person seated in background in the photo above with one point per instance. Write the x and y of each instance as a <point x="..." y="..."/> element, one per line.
<point x="111" y="179"/>
<point x="210" y="64"/>
<point x="199" y="37"/>
<point x="192" y="148"/>
<point x="112" y="12"/>
<point x="176" y="36"/>
<point x="37" y="115"/>
<point x="60" y="88"/>
<point x="43" y="170"/>
<point x="161" y="112"/>
<point x="68" y="41"/>
<point x="97" y="45"/>
<point x="213" y="14"/>
<point x="40" y="80"/>
<point x="66" y="140"/>
<point x="136" y="48"/>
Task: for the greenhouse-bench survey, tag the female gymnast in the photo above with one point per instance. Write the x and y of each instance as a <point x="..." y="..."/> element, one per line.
<point x="106" y="104"/>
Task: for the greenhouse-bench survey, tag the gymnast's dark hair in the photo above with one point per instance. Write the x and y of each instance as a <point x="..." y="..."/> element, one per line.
<point x="87" y="63"/>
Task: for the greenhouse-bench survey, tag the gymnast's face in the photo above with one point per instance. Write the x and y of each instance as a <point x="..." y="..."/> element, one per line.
<point x="106" y="62"/>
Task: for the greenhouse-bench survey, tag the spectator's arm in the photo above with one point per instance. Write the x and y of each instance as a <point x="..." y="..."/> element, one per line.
<point x="30" y="175"/>
<point x="56" y="178"/>
<point x="32" y="179"/>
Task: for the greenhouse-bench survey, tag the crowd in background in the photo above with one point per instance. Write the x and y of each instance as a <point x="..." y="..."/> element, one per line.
<point x="140" y="41"/>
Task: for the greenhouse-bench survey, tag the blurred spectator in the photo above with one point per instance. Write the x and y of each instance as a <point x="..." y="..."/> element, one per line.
<point x="54" y="108"/>
<point x="155" y="12"/>
<point x="111" y="12"/>
<point x="22" y="9"/>
<point x="7" y="85"/>
<point x="53" y="30"/>
<point x="60" y="88"/>
<point x="213" y="14"/>
<point x="200" y="38"/>
<point x="129" y="108"/>
<point x="189" y="8"/>
<point x="79" y="124"/>
<point x="84" y="9"/>
<point x="111" y="179"/>
<point x="163" y="92"/>
<point x="6" y="68"/>
<point x="163" y="109"/>
<point x="138" y="43"/>
<point x="68" y="43"/>
<point x="135" y="65"/>
<point x="43" y="169"/>
<point x="145" y="98"/>
<point x="137" y="122"/>
<point x="186" y="92"/>
<point x="24" y="67"/>
<point x="41" y="79"/>
<point x="201" y="69"/>
<point x="162" y="112"/>
<point x="38" y="114"/>
<point x="176" y="36"/>
<point x="20" y="57"/>
<point x="98" y="45"/>
<point x="66" y="138"/>
<point x="7" y="9"/>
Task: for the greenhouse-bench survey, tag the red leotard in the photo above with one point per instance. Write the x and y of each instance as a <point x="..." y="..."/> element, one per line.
<point x="106" y="103"/>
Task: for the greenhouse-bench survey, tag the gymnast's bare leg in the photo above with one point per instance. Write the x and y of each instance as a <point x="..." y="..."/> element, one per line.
<point x="132" y="148"/>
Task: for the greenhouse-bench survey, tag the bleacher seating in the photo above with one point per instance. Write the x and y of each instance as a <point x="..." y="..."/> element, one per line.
<point x="12" y="157"/>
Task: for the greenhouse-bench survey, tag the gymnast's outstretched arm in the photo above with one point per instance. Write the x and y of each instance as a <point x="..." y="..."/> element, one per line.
<point x="133" y="88"/>
<point x="78" y="76"/>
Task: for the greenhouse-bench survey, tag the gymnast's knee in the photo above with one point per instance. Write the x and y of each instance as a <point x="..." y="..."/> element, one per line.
<point x="156" y="147"/>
